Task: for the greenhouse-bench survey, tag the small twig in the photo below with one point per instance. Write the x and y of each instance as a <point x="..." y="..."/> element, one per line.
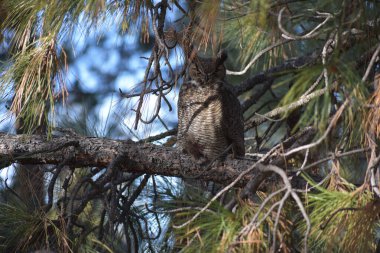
<point x="127" y="205"/>
<point x="314" y="186"/>
<point x="312" y="34"/>
<point x="247" y="229"/>
<point x="281" y="173"/>
<point x="268" y="118"/>
<point x="141" y="99"/>
<point x="324" y="56"/>
<point x="326" y="133"/>
<point x="372" y="61"/>
<point x="13" y="191"/>
<point x="289" y="192"/>
<point x="50" y="190"/>
<point x="283" y="109"/>
<point x="225" y="189"/>
<point x="282" y="202"/>
<point x="304" y="162"/>
<point x="330" y="157"/>
<point x="137" y="94"/>
<point x="270" y="74"/>
<point x="177" y="210"/>
<point x="257" y="56"/>
<point x="180" y="8"/>
<point x="159" y="136"/>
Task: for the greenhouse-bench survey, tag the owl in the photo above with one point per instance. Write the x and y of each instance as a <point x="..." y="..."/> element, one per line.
<point x="210" y="118"/>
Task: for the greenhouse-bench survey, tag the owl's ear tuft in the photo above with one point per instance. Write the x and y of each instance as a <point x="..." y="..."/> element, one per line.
<point x="221" y="57"/>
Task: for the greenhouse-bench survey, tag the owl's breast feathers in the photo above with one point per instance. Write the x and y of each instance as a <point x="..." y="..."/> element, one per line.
<point x="209" y="120"/>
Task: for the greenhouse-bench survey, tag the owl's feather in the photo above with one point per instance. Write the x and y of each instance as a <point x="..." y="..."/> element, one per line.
<point x="209" y="114"/>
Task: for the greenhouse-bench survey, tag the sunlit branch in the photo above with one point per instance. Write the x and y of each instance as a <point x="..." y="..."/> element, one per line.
<point x="284" y="109"/>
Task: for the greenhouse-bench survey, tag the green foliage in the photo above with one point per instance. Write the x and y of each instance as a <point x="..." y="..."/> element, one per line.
<point x="317" y="112"/>
<point x="219" y="230"/>
<point x="33" y="73"/>
<point x="318" y="109"/>
<point x="247" y="28"/>
<point x="21" y="230"/>
<point x="216" y="225"/>
<point x="343" y="218"/>
<point x="36" y="68"/>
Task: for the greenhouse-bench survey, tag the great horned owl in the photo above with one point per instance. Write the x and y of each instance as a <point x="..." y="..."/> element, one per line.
<point x="209" y="114"/>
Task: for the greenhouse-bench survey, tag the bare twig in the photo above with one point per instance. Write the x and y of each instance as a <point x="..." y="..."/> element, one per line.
<point x="160" y="136"/>
<point x="370" y="65"/>
<point x="252" y="225"/>
<point x="331" y="157"/>
<point x="257" y="56"/>
<point x="177" y="210"/>
<point x="225" y="189"/>
<point x="324" y="56"/>
<point x="288" y="38"/>
<point x="304" y="162"/>
<point x="325" y="134"/>
<point x="289" y="192"/>
<point x="312" y="34"/>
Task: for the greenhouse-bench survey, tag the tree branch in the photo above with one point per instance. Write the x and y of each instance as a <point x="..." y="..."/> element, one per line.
<point x="100" y="152"/>
<point x="134" y="157"/>
<point x="257" y="120"/>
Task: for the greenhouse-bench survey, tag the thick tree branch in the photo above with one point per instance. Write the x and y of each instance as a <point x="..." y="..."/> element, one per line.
<point x="79" y="151"/>
<point x="99" y="152"/>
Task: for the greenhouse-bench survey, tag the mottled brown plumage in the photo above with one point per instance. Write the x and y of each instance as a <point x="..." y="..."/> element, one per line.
<point x="209" y="114"/>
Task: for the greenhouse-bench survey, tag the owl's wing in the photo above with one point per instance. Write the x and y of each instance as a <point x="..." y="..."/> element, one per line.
<point x="180" y="111"/>
<point x="233" y="121"/>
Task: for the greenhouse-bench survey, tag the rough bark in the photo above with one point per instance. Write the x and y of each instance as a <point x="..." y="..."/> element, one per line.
<point x="79" y="151"/>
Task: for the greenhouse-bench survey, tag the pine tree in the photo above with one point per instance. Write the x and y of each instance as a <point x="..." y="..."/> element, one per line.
<point x="307" y="74"/>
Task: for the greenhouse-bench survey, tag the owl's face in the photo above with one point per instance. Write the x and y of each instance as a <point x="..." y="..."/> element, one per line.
<point x="208" y="70"/>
